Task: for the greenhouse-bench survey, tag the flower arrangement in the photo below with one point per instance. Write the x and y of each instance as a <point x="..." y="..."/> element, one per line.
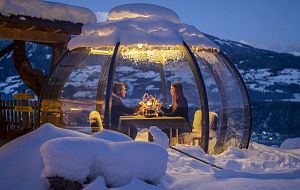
<point x="150" y="105"/>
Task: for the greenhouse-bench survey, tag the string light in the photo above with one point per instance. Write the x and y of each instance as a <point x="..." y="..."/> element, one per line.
<point x="102" y="51"/>
<point x="150" y="53"/>
<point x="144" y="53"/>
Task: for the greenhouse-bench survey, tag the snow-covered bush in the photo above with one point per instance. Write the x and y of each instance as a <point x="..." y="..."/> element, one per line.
<point x="77" y="158"/>
<point x="292" y="143"/>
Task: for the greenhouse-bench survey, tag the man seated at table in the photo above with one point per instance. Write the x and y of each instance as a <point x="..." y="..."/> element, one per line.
<point x="119" y="108"/>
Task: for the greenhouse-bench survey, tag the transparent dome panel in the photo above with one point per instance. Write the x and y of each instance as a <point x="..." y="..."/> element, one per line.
<point x="181" y="72"/>
<point x="75" y="89"/>
<point x="139" y="78"/>
<point x="149" y="71"/>
<point x="232" y="119"/>
<point x="214" y="102"/>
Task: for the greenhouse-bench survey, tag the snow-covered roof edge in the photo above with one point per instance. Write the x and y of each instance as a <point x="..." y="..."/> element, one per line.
<point x="47" y="10"/>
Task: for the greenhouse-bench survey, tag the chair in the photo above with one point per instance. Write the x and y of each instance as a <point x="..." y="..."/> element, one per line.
<point x="95" y="121"/>
<point x="194" y="137"/>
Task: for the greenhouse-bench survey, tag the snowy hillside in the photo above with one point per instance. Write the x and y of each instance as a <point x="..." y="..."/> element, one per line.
<point x="269" y="76"/>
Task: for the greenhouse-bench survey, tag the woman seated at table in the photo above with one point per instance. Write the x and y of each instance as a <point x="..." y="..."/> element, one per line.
<point x="179" y="105"/>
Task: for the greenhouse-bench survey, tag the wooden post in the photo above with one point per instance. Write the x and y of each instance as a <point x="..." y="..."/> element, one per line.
<point x="56" y="54"/>
<point x="32" y="77"/>
<point x="16" y="121"/>
<point x="11" y="114"/>
<point x="7" y="105"/>
<point x="25" y="115"/>
<point x="31" y="118"/>
<point x="2" y="120"/>
<point x="36" y="116"/>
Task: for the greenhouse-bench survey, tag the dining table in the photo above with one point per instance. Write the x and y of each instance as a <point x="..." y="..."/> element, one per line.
<point x="163" y="122"/>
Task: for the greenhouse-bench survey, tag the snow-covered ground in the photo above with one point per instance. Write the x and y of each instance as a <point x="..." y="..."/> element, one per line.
<point x="25" y="162"/>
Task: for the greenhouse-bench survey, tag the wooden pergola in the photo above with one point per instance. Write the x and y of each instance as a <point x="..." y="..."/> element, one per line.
<point x="21" y="29"/>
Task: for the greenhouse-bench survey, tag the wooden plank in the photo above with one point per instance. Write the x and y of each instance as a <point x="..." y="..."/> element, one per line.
<point x="34" y="36"/>
<point x="7" y="112"/>
<point x="24" y="109"/>
<point x="24" y="121"/>
<point x="3" y="111"/>
<point x="2" y="108"/>
<point x="11" y="113"/>
<point x="39" y="24"/>
<point x="26" y="113"/>
<point x="11" y="128"/>
<point x="16" y="122"/>
<point x="36" y="116"/>
<point x="31" y="119"/>
<point x="2" y="121"/>
<point x="19" y="115"/>
<point x="23" y="96"/>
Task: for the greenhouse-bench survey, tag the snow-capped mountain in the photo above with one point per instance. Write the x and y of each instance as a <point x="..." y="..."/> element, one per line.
<point x="269" y="76"/>
<point x="273" y="81"/>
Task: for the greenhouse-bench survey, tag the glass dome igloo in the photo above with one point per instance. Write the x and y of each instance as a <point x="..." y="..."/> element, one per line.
<point x="148" y="48"/>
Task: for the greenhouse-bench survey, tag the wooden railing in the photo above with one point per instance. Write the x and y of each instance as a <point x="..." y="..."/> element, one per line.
<point x="18" y="117"/>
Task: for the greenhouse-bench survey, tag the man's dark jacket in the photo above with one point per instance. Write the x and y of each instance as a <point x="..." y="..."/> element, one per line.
<point x="118" y="109"/>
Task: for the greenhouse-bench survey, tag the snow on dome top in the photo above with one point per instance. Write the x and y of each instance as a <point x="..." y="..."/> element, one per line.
<point x="142" y="10"/>
<point x="143" y="24"/>
<point x="47" y="10"/>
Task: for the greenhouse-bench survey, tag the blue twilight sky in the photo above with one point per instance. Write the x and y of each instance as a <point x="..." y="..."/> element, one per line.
<point x="267" y="24"/>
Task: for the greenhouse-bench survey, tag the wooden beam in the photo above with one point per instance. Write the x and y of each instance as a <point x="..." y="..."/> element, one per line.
<point x="38" y="24"/>
<point x="56" y="45"/>
<point x="56" y="54"/>
<point x="33" y="78"/>
<point x="34" y="36"/>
